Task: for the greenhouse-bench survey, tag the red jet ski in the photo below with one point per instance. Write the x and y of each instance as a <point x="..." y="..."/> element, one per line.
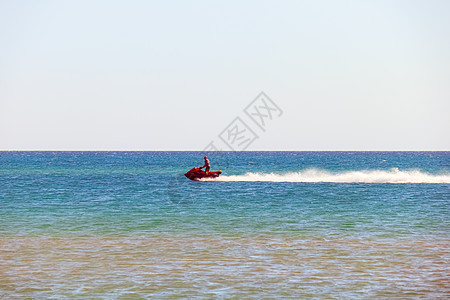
<point x="197" y="174"/>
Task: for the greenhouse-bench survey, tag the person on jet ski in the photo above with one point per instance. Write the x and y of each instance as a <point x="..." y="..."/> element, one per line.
<point x="207" y="165"/>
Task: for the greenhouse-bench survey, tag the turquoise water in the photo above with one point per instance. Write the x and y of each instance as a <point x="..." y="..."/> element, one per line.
<point x="354" y="208"/>
<point x="146" y="193"/>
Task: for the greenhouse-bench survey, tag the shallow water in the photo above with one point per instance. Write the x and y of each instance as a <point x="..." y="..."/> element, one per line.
<point x="129" y="225"/>
<point x="239" y="267"/>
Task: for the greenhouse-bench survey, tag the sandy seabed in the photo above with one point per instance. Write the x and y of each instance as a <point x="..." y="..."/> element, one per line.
<point x="127" y="267"/>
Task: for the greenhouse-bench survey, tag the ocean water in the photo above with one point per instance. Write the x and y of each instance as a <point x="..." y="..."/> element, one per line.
<point x="129" y="225"/>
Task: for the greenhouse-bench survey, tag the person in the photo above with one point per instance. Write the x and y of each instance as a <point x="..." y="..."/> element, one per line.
<point x="207" y="165"/>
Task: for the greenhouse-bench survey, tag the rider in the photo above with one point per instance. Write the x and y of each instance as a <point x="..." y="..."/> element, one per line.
<point x="207" y="165"/>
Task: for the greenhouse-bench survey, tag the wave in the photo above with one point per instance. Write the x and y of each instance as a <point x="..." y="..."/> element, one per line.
<point x="366" y="176"/>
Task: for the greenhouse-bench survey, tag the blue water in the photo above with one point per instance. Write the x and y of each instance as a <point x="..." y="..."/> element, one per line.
<point x="129" y="225"/>
<point x="89" y="193"/>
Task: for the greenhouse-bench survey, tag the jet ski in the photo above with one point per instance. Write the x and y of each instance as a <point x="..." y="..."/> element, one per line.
<point x="197" y="174"/>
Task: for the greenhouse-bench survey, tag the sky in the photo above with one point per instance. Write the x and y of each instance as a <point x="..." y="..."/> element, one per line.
<point x="175" y="75"/>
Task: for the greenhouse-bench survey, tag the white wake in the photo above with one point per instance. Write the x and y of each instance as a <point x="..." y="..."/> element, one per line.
<point x="368" y="176"/>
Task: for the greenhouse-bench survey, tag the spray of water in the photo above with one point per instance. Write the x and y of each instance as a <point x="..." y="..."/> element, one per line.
<point x="368" y="176"/>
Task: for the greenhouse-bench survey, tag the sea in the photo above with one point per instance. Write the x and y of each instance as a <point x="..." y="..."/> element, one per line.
<point x="275" y="225"/>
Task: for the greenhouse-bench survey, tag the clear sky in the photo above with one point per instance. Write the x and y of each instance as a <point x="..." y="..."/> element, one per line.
<point x="171" y="75"/>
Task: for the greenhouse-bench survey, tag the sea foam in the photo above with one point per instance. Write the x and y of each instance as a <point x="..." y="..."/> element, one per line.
<point x="393" y="175"/>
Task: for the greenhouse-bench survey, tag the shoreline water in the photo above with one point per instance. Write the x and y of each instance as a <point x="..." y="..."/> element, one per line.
<point x="232" y="267"/>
